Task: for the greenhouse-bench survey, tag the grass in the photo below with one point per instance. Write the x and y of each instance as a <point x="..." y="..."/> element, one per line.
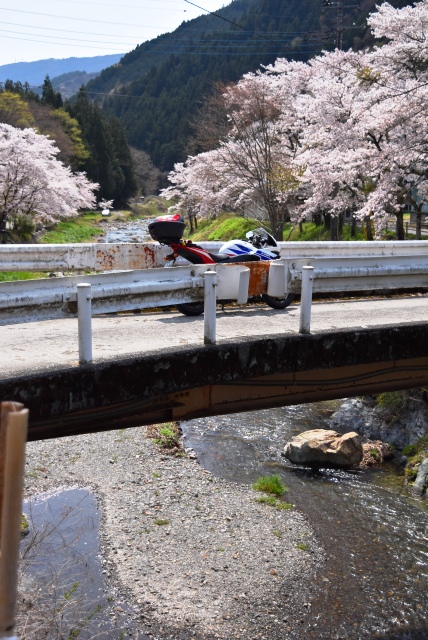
<point x="161" y="523"/>
<point x="274" y="488"/>
<point x="312" y="233"/>
<point x="270" y="484"/>
<point x="392" y="405"/>
<point x="391" y="401"/>
<point x="24" y="524"/>
<point x="167" y="436"/>
<point x="151" y="207"/>
<point x="271" y="501"/>
<point x="228" y="226"/>
<point x="83" y="228"/>
<point x="13" y="276"/>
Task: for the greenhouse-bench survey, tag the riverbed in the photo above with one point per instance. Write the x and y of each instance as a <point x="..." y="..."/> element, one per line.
<point x="348" y="561"/>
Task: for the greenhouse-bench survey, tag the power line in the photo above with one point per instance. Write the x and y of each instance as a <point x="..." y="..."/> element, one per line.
<point x="65" y="44"/>
<point x="170" y="36"/>
<point x="120" y="6"/>
<point x="218" y="43"/>
<point x="59" y="38"/>
<point x="55" y="15"/>
<point x="217" y="15"/>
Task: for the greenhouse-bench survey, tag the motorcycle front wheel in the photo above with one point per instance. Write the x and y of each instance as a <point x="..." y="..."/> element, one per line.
<point x="278" y="303"/>
<point x="191" y="308"/>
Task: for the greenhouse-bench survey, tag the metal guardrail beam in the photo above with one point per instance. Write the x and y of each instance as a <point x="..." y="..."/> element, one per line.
<point x="81" y="257"/>
<point x="360" y="273"/>
<point x="145" y="255"/>
<point x="50" y="298"/>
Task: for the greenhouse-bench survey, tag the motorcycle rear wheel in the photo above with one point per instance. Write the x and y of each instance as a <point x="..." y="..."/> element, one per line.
<point x="191" y="308"/>
<point x="278" y="303"/>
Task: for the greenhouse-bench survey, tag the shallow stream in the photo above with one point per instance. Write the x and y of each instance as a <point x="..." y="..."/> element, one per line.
<point x="374" y="582"/>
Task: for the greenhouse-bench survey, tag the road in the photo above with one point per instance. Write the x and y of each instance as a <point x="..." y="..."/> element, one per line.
<point x="43" y="345"/>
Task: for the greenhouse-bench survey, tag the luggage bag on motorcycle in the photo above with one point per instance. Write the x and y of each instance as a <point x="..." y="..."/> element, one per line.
<point x="166" y="229"/>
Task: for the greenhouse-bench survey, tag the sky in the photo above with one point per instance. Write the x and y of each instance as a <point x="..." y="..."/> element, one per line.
<point x="32" y="31"/>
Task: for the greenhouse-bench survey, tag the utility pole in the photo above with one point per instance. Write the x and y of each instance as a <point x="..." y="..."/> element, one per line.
<point x="339" y="6"/>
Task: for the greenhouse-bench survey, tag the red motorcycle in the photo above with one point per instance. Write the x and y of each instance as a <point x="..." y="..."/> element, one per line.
<point x="169" y="230"/>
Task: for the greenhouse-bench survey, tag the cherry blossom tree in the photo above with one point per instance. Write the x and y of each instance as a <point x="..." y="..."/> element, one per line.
<point x="251" y="167"/>
<point x="365" y="123"/>
<point x="34" y="183"/>
<point x="347" y="130"/>
<point x="399" y="71"/>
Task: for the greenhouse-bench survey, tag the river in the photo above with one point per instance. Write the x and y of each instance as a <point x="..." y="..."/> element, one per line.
<point x="374" y="535"/>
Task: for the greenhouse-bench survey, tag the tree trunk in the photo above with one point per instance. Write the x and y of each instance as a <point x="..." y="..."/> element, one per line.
<point x="327" y="220"/>
<point x="399" y="225"/>
<point x="190" y="217"/>
<point x="353" y="227"/>
<point x="418" y="225"/>
<point x="334" y="227"/>
<point x="341" y="222"/>
<point x="369" y="228"/>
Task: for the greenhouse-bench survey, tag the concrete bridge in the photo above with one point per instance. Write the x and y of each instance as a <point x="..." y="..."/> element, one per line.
<point x="263" y="367"/>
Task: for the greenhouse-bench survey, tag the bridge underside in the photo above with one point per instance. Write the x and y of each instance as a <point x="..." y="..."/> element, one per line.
<point x="191" y="382"/>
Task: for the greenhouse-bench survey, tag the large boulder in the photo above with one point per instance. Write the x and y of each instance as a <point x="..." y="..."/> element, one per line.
<point x="421" y="483"/>
<point x="325" y="448"/>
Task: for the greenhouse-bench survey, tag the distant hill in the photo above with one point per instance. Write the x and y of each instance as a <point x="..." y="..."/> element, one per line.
<point x="35" y="72"/>
<point x="69" y="84"/>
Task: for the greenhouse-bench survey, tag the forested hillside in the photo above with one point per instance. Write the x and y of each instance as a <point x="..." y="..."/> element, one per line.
<point x="161" y="85"/>
<point x="88" y="139"/>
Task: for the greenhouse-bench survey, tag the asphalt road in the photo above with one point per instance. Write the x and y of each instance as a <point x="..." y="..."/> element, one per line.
<point x="42" y="345"/>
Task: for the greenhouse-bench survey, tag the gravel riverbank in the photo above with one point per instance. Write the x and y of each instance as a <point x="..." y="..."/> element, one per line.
<point x="194" y="556"/>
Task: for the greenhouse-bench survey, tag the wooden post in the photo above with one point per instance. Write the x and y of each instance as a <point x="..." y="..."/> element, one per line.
<point x="13" y="436"/>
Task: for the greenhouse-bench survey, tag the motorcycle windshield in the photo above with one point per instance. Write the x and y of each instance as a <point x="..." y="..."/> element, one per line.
<point x="266" y="238"/>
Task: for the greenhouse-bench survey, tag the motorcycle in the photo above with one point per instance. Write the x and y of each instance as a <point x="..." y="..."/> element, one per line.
<point x="260" y="245"/>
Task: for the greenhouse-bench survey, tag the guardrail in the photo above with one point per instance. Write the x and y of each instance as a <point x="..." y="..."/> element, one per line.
<point x="334" y="274"/>
<point x="51" y="298"/>
<point x="145" y="255"/>
<point x="84" y="296"/>
<point x="366" y="266"/>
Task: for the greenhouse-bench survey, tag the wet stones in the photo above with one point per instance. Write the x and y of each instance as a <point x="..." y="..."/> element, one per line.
<point x="324" y="447"/>
<point x="420" y="485"/>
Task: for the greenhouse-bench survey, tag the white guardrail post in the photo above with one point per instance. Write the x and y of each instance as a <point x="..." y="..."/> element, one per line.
<point x="84" y="322"/>
<point x="306" y="299"/>
<point x="210" y="304"/>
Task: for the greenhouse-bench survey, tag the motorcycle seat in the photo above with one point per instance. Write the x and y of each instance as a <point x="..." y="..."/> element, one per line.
<point x="246" y="257"/>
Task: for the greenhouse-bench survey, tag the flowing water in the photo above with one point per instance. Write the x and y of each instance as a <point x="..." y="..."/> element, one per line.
<point x="374" y="582"/>
<point x="127" y="232"/>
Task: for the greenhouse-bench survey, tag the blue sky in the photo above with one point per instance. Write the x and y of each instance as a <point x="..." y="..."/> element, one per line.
<point x="67" y="28"/>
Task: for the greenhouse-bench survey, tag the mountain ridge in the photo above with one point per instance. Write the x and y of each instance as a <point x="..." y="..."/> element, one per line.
<point x="35" y="72"/>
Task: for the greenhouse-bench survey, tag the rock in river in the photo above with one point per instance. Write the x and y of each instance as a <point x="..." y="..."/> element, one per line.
<point x="421" y="482"/>
<point x="322" y="447"/>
